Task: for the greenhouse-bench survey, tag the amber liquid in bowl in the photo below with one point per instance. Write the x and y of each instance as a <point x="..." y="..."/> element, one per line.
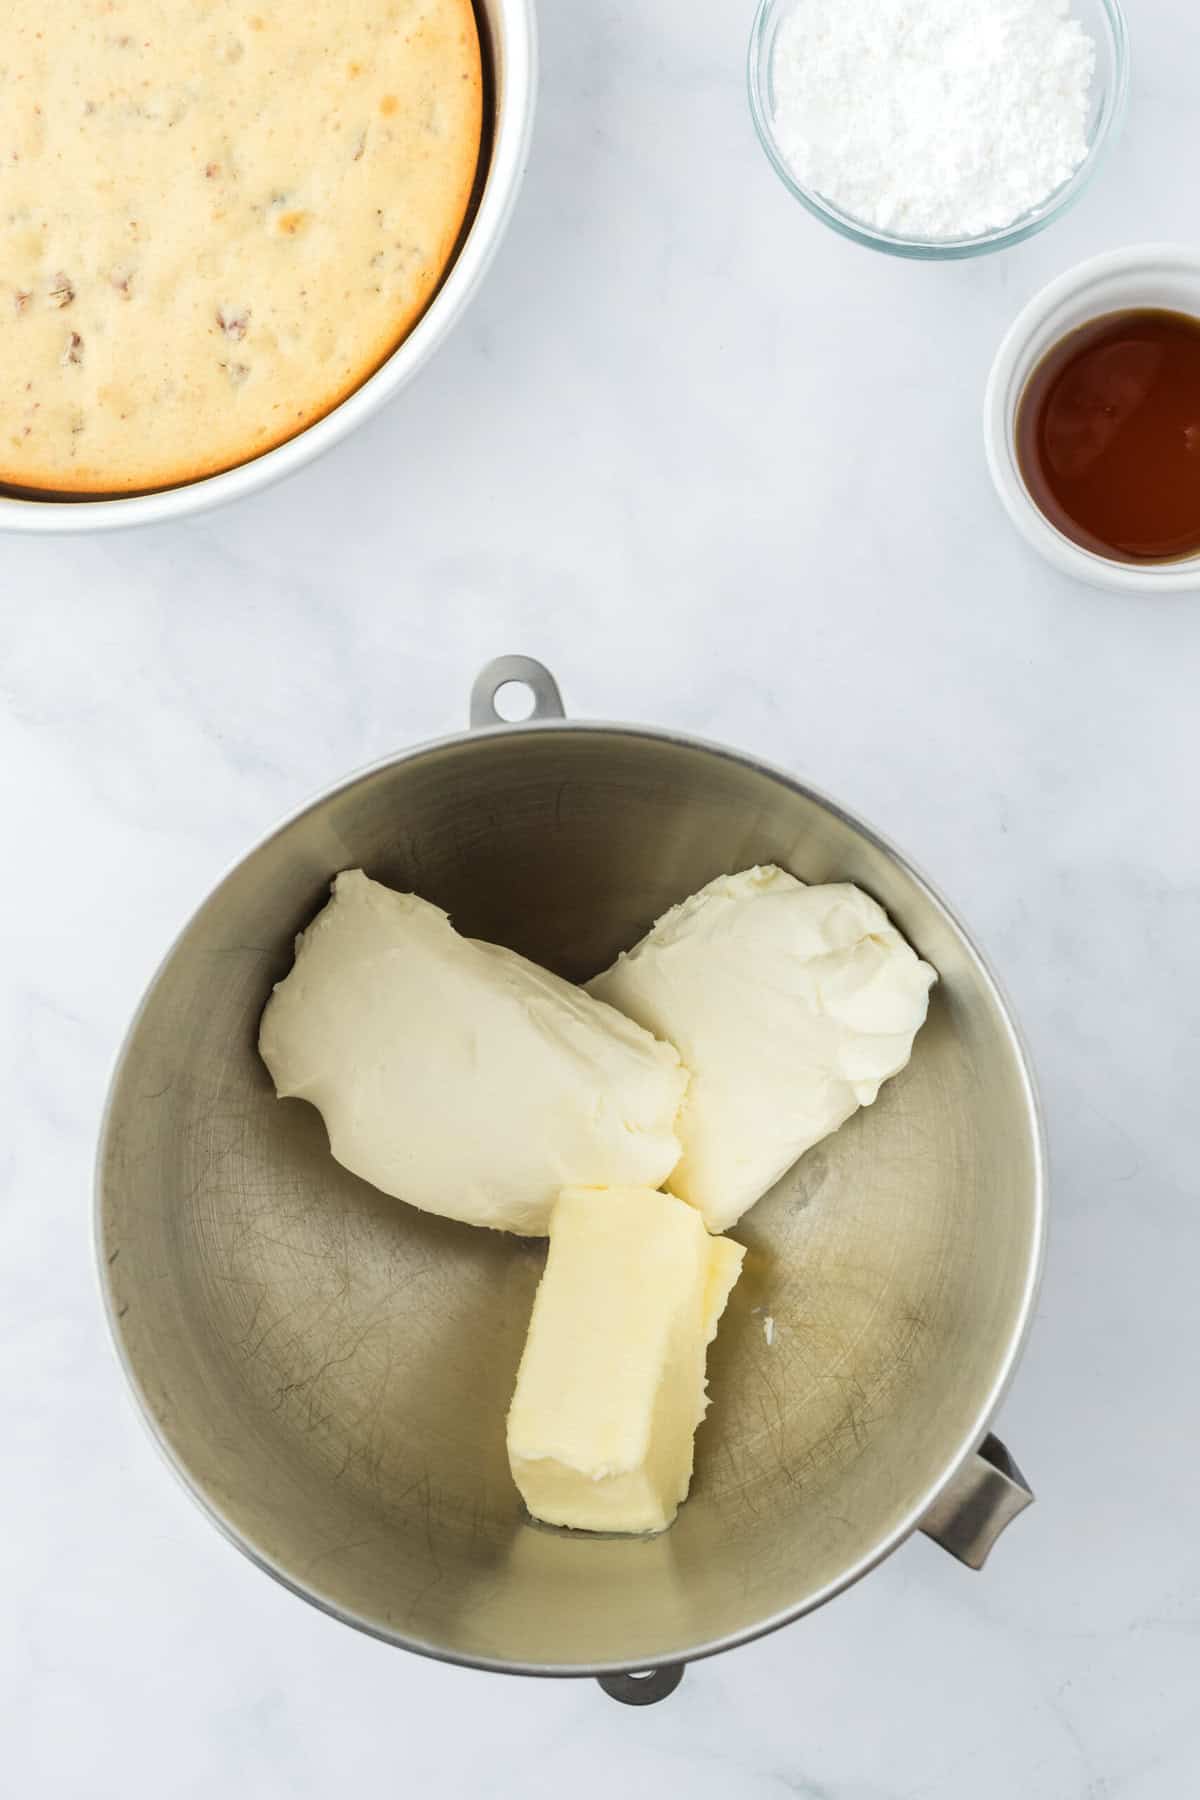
<point x="1108" y="436"/>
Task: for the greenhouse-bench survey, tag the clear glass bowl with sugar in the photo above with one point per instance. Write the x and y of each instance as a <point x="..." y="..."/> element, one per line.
<point x="1105" y="23"/>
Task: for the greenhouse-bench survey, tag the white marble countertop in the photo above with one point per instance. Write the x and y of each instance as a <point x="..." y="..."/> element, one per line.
<point x="723" y="472"/>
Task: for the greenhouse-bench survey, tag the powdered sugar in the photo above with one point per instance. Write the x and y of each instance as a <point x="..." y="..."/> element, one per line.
<point x="933" y="118"/>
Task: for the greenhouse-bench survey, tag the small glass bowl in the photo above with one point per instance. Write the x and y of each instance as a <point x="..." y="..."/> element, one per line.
<point x="1103" y="19"/>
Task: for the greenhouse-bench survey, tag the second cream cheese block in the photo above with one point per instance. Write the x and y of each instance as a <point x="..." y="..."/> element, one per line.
<point x="458" y="1076"/>
<point x="611" y="1386"/>
<point x="791" y="1005"/>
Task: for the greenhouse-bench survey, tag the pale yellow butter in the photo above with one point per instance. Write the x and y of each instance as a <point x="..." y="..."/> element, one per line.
<point x="612" y="1386"/>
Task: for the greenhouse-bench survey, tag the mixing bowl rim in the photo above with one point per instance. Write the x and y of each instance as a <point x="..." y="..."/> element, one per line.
<point x="1007" y="1363"/>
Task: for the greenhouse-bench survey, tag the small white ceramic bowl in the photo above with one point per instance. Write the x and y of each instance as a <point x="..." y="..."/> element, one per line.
<point x="1152" y="275"/>
<point x="508" y="34"/>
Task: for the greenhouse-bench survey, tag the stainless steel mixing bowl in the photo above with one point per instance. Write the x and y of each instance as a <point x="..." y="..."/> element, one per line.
<point x="329" y="1370"/>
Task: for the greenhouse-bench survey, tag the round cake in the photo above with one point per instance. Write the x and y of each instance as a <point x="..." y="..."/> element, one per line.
<point x="216" y="220"/>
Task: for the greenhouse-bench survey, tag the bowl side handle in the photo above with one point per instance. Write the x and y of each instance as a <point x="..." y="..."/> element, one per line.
<point x="983" y="1498"/>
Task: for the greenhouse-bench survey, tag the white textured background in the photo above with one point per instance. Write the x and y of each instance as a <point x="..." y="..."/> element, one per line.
<point x="723" y="472"/>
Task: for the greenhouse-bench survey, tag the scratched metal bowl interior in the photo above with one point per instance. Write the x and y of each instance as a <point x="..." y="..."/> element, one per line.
<point x="329" y="1369"/>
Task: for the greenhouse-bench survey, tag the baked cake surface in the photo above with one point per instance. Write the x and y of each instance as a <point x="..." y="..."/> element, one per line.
<point x="216" y="219"/>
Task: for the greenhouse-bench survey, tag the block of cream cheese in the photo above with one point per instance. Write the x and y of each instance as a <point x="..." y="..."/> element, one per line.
<point x="611" y="1386"/>
<point x="790" y="1005"/>
<point x="458" y="1076"/>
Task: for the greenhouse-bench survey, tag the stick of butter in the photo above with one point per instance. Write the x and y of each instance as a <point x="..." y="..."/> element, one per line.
<point x="611" y="1386"/>
<point x="791" y="1005"/>
<point x="458" y="1076"/>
